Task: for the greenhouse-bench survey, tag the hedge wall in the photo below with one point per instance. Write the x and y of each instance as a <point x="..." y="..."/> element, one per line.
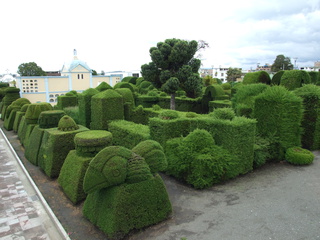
<point x="128" y="134"/>
<point x="141" y="115"/>
<point x="11" y="94"/>
<point x="257" y="77"/>
<point x="105" y="107"/>
<point x="13" y="108"/>
<point x="277" y="78"/>
<point x="146" y="101"/>
<point x="292" y="79"/>
<point x="103" y="86"/>
<point x="315" y="77"/>
<point x="67" y="101"/>
<point x="279" y="114"/>
<point x="84" y="101"/>
<point x="310" y="94"/>
<point x="212" y="92"/>
<point x="19" y="116"/>
<point x="219" y="104"/>
<point x="243" y="99"/>
<point x="128" y="101"/>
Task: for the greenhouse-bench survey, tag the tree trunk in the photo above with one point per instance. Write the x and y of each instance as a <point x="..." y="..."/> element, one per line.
<point x="173" y="102"/>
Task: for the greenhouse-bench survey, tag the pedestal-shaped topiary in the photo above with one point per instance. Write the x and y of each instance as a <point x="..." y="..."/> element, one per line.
<point x="47" y="119"/>
<point x="87" y="144"/>
<point x="18" y="118"/>
<point x="105" y="107"/>
<point x="11" y="94"/>
<point x="56" y="144"/>
<point x="123" y="194"/>
<point x="299" y="156"/>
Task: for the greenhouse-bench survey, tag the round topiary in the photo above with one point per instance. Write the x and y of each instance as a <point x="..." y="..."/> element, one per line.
<point x="299" y="156"/>
<point x="92" y="142"/>
<point x="168" y="115"/>
<point x="66" y="124"/>
<point x="223" y="113"/>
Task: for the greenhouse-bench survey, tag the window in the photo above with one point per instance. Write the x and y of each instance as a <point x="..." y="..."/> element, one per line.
<point x="81" y="76"/>
<point x="35" y="80"/>
<point x="135" y="75"/>
<point x="31" y="91"/>
<point x="36" y="84"/>
<point x="51" y="100"/>
<point x="57" y="95"/>
<point x="31" y="81"/>
<point x="78" y="76"/>
<point x="22" y="80"/>
<point x="36" y="90"/>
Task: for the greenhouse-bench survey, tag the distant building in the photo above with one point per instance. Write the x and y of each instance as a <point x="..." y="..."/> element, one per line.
<point x="266" y="67"/>
<point x="75" y="75"/>
<point x="315" y="68"/>
<point x="220" y="73"/>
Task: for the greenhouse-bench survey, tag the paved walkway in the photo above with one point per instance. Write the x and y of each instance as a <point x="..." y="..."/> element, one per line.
<point x="24" y="214"/>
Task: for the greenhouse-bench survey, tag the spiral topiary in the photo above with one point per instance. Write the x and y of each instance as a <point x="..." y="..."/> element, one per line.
<point x="299" y="156"/>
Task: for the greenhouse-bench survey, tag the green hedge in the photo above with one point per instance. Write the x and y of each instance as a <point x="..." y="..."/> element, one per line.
<point x="212" y="92"/>
<point x="123" y="195"/>
<point x="13" y="108"/>
<point x="293" y="79"/>
<point x="257" y="77"/>
<point x="299" y="156"/>
<point x="56" y="144"/>
<point x="146" y="101"/>
<point x="277" y="78"/>
<point x="198" y="161"/>
<point x="11" y="94"/>
<point x="279" y="114"/>
<point x="67" y="101"/>
<point x="219" y="104"/>
<point x="128" y="134"/>
<point x="34" y="110"/>
<point x="84" y="101"/>
<point x="314" y="77"/>
<point x="128" y="101"/>
<point x="88" y="144"/>
<point x="141" y="115"/>
<point x="103" y="86"/>
<point x="243" y="99"/>
<point x="105" y="107"/>
<point x="310" y="94"/>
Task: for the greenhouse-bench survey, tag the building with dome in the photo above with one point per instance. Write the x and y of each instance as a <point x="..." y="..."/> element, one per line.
<point x="8" y="78"/>
<point x="75" y="75"/>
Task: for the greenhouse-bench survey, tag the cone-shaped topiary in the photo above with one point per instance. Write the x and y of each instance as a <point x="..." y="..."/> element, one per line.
<point x="299" y="156"/>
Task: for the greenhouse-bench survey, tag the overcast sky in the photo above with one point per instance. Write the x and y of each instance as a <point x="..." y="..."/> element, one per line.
<point x="117" y="35"/>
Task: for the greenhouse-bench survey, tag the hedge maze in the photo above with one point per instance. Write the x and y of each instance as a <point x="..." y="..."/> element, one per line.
<point x="110" y="152"/>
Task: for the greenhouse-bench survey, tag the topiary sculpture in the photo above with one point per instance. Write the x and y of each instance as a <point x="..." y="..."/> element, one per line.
<point x="299" y="156"/>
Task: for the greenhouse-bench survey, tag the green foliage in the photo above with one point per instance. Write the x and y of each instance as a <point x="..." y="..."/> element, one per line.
<point x="84" y="101"/>
<point x="11" y="111"/>
<point x="299" y="156"/>
<point x="281" y="63"/>
<point x="168" y="115"/>
<point x="243" y="99"/>
<point x="67" y="124"/>
<point x="56" y="145"/>
<point x="196" y="160"/>
<point x="261" y="151"/>
<point x="233" y="74"/>
<point x="156" y="107"/>
<point x="33" y="145"/>
<point x="294" y="79"/>
<point x="105" y="107"/>
<point x="153" y="154"/>
<point x="257" y="77"/>
<point x="219" y="104"/>
<point x="103" y="86"/>
<point x="277" y="78"/>
<point x="73" y="112"/>
<point x="125" y="85"/>
<point x="68" y="100"/>
<point x="226" y="86"/>
<point x="314" y="77"/>
<point x="310" y="94"/>
<point x="30" y="69"/>
<point x="129" y="79"/>
<point x="279" y="113"/>
<point x="213" y="92"/>
<point x="191" y="115"/>
<point x="223" y="113"/>
<point x="128" y="134"/>
<point x="34" y="110"/>
<point x="11" y="94"/>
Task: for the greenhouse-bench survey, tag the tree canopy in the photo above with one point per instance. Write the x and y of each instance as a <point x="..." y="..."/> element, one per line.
<point x="281" y="63"/>
<point x="174" y="58"/>
<point x="233" y="74"/>
<point x="30" y="69"/>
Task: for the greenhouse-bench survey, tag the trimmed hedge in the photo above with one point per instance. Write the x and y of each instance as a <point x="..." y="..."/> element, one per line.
<point x="141" y="115"/>
<point x="128" y="134"/>
<point x="56" y="144"/>
<point x="257" y="77"/>
<point x="105" y="107"/>
<point x="11" y="94"/>
<point x="128" y="101"/>
<point x="219" y="104"/>
<point x="198" y="161"/>
<point x="314" y="77"/>
<point x="212" y="93"/>
<point x="84" y="101"/>
<point x="310" y="94"/>
<point x="223" y="113"/>
<point x="13" y="108"/>
<point x="279" y="114"/>
<point x="243" y="99"/>
<point x="103" y="86"/>
<point x="299" y="156"/>
<point x="67" y="101"/>
<point x="123" y="195"/>
<point x="88" y="144"/>
<point x="277" y="78"/>
<point x="292" y="79"/>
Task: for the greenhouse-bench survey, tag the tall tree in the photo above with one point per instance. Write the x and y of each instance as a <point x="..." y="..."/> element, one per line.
<point x="281" y="63"/>
<point x="233" y="74"/>
<point x="30" y="69"/>
<point x="174" y="58"/>
<point x="94" y="72"/>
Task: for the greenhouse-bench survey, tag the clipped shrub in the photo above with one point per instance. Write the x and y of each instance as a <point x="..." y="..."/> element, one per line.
<point x="257" y="77"/>
<point x="124" y="85"/>
<point x="88" y="144"/>
<point x="277" y="78"/>
<point x="191" y="115"/>
<point x="223" y="113"/>
<point x="103" y="86"/>
<point x="128" y="102"/>
<point x="261" y="151"/>
<point x="212" y="93"/>
<point x="105" y="107"/>
<point x="299" y="156"/>
<point x="292" y="79"/>
<point x="12" y="109"/>
<point x="84" y="101"/>
<point x="310" y="94"/>
<point x="243" y="99"/>
<point x="11" y="94"/>
<point x="219" y="104"/>
<point x="314" y="77"/>
<point x="128" y="134"/>
<point x="19" y="116"/>
<point x="73" y="112"/>
<point x="168" y="114"/>
<point x="156" y="107"/>
<point x="129" y="79"/>
<point x="56" y="144"/>
<point x="68" y="100"/>
<point x="114" y="201"/>
<point x="279" y="113"/>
